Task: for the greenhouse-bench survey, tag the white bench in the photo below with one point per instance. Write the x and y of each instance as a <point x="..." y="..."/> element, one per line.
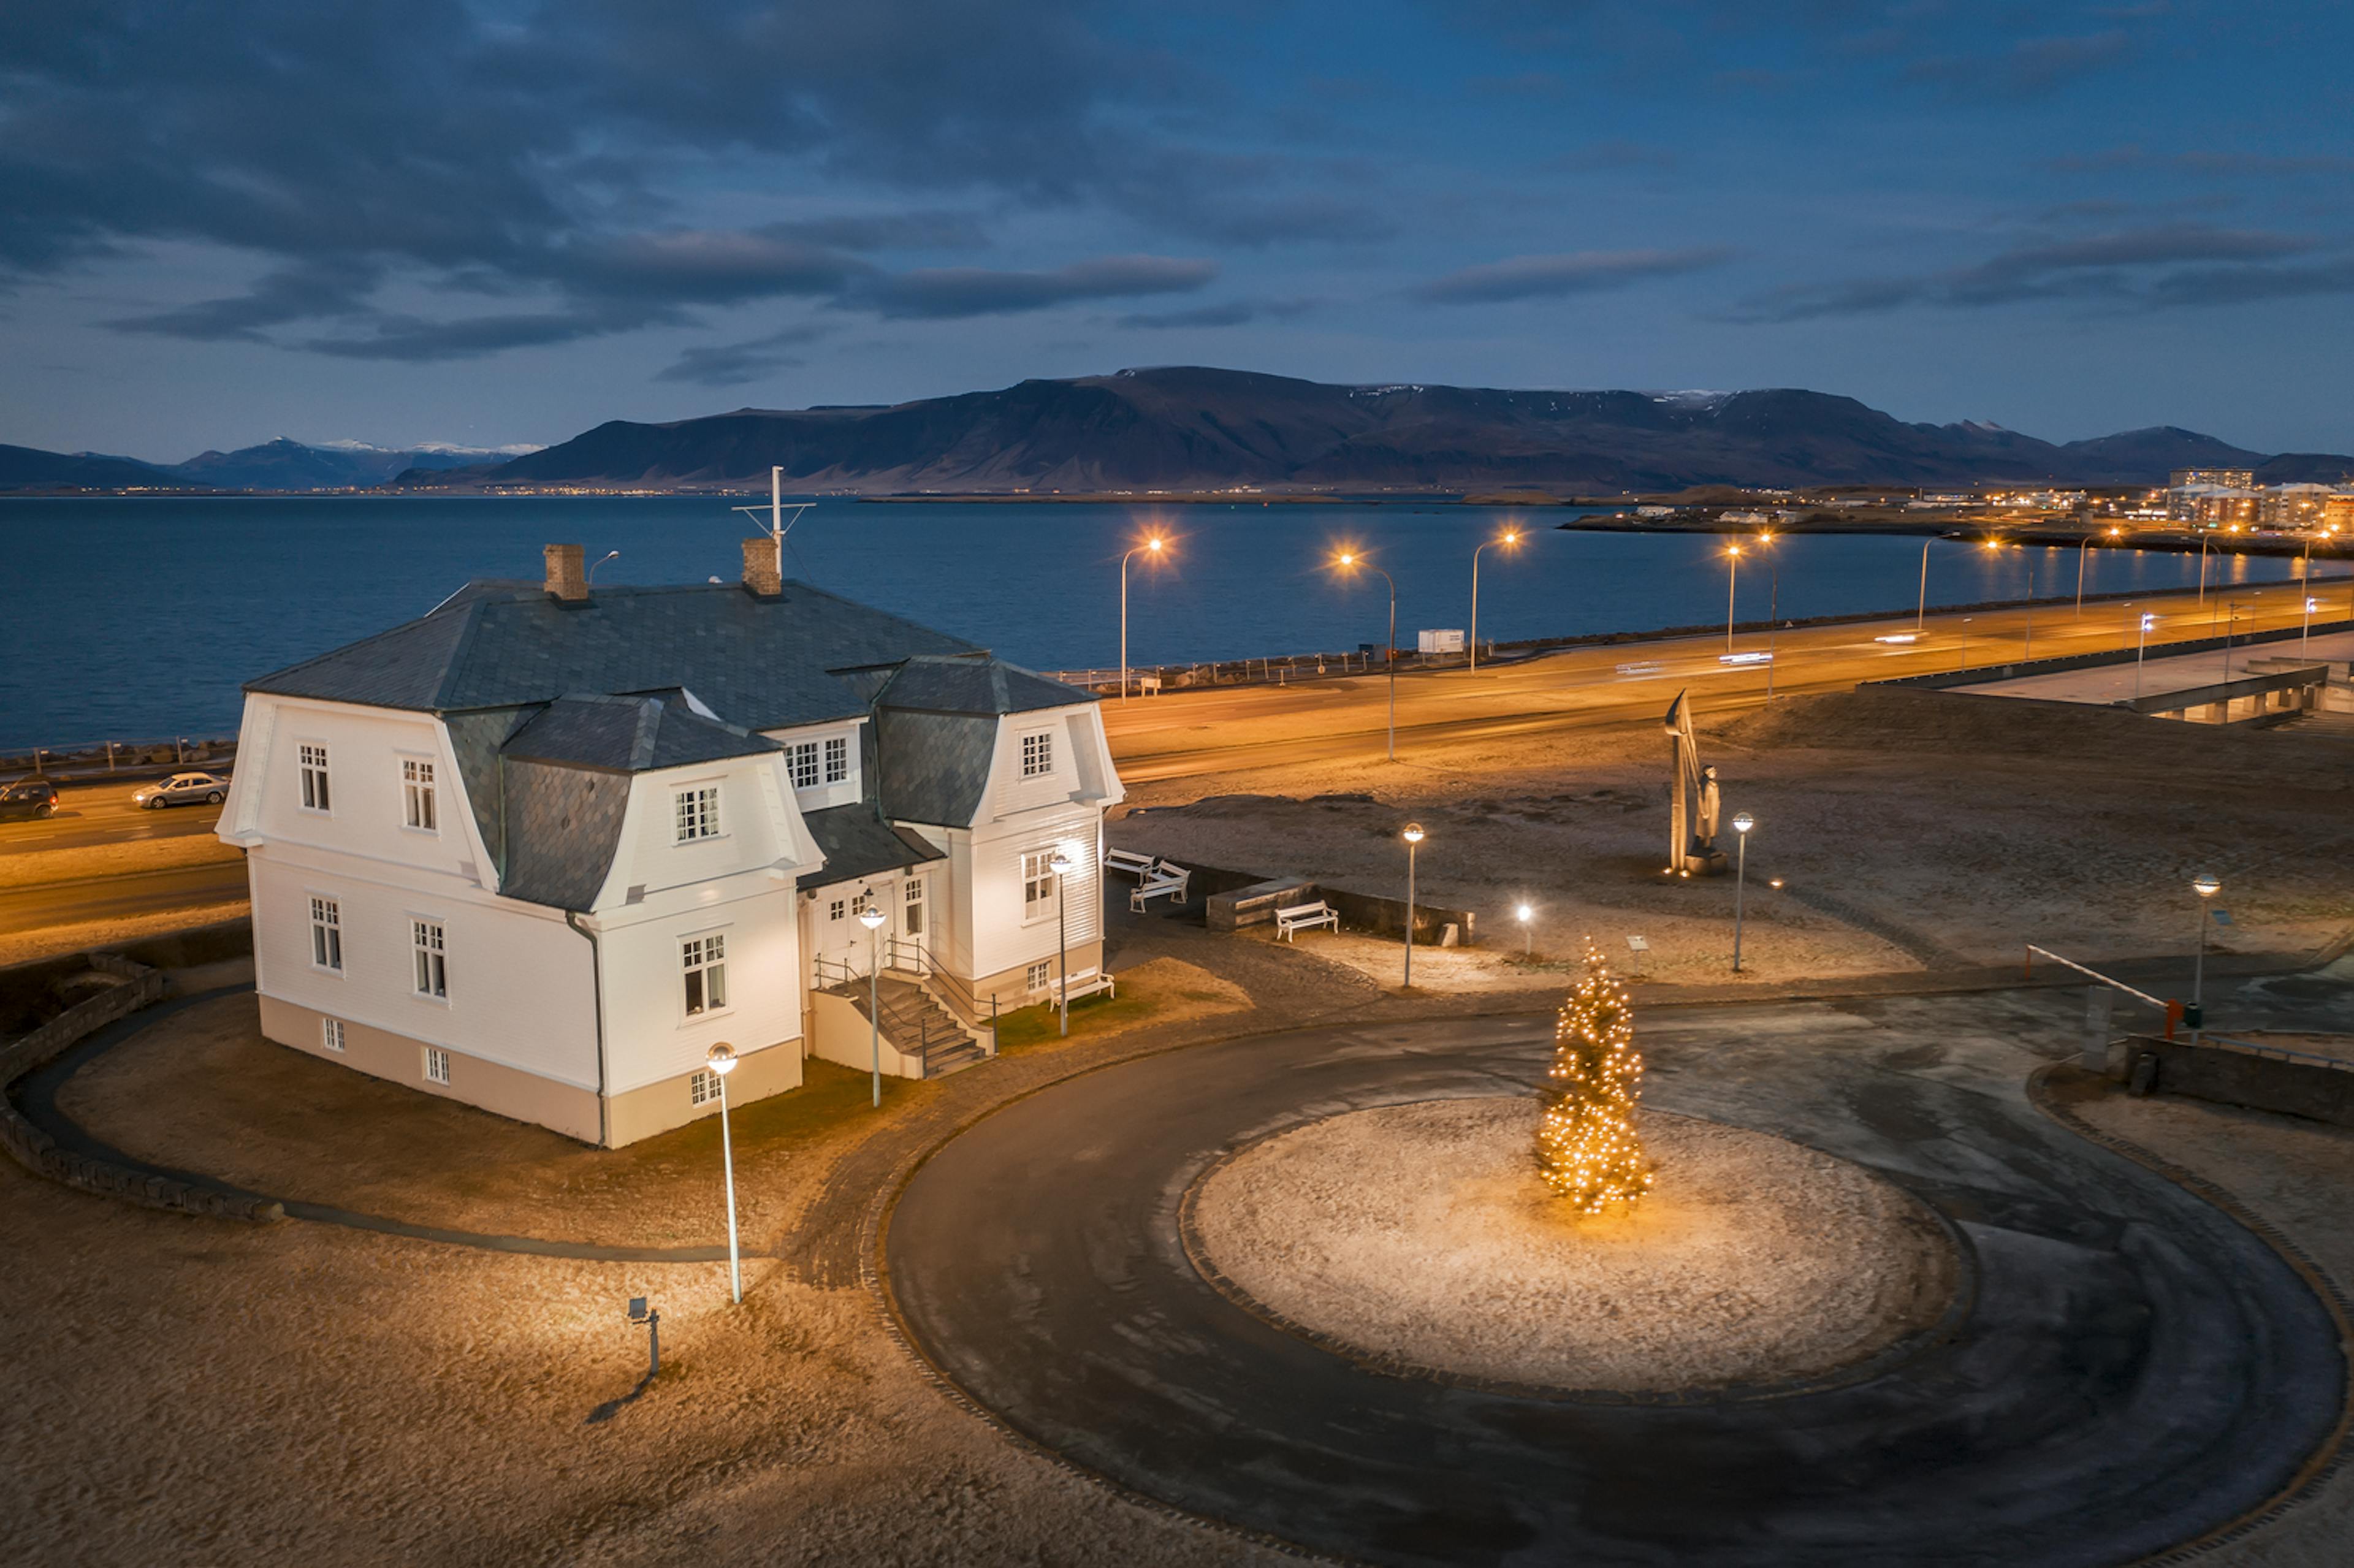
<point x="1305" y="918"/>
<point x="1162" y="880"/>
<point x="1127" y="862"/>
<point x="1082" y="987"/>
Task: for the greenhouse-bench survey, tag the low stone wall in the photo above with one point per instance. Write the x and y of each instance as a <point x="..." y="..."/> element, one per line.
<point x="2235" y="1077"/>
<point x="41" y="1153"/>
<point x="1358" y="911"/>
<point x="27" y="988"/>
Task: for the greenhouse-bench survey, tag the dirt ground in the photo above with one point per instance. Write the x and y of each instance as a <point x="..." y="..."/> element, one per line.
<point x="1906" y="831"/>
<point x="204" y="1091"/>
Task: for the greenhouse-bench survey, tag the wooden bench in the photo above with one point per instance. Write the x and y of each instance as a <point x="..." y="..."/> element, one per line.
<point x="1162" y="880"/>
<point x="1305" y="918"/>
<point x="1127" y="862"/>
<point x="1081" y="987"/>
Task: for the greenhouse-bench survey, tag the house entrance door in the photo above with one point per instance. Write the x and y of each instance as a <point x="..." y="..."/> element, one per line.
<point x="913" y="922"/>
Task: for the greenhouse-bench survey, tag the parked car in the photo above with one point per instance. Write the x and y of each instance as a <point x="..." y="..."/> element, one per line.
<point x="28" y="798"/>
<point x="183" y="790"/>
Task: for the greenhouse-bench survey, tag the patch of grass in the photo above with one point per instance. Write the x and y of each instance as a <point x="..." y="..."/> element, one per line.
<point x="1040" y="1024"/>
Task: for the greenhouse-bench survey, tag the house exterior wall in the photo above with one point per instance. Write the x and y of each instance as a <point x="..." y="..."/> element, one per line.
<point x="850" y="790"/>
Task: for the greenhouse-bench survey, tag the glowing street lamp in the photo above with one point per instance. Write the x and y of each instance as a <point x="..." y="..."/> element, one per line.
<point x="1524" y="915"/>
<point x="1154" y="545"/>
<point x="1412" y="836"/>
<point x="2206" y="887"/>
<point x="1742" y="823"/>
<point x="2080" y="568"/>
<point x="2140" y="647"/>
<point x="1062" y="865"/>
<point x="721" y="1060"/>
<point x="1347" y="561"/>
<point x="1509" y="538"/>
<point x="2306" y="629"/>
<point x="872" y="918"/>
<point x="1732" y="571"/>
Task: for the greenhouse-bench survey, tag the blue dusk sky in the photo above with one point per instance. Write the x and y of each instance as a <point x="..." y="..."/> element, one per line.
<point x="225" y="220"/>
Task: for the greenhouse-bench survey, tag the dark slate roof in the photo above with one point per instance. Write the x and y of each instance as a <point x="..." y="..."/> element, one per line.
<point x="761" y="664"/>
<point x="855" y="844"/>
<point x="475" y="739"/>
<point x="629" y="735"/>
<point x="935" y="767"/>
<point x="563" y="826"/>
<point x="973" y="683"/>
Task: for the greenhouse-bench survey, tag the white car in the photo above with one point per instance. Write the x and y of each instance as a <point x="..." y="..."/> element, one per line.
<point x="183" y="790"/>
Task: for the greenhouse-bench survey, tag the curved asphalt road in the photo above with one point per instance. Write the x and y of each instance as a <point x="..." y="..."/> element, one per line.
<point x="2136" y="1369"/>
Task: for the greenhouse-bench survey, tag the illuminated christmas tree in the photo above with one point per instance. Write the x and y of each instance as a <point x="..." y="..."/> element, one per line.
<point x="1588" y="1147"/>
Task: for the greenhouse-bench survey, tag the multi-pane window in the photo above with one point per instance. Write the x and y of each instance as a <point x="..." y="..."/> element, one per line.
<point x="432" y="974"/>
<point x="803" y="761"/>
<point x="1038" y="975"/>
<point x="1037" y="754"/>
<point x="836" y="910"/>
<point x="1037" y="882"/>
<point x="436" y="1065"/>
<point x="326" y="934"/>
<point x="417" y="809"/>
<point x="911" y="915"/>
<point x="702" y="1087"/>
<point x="705" y="961"/>
<point x="314" y="777"/>
<point x="331" y="1034"/>
<point x="837" y="759"/>
<point x="698" y="813"/>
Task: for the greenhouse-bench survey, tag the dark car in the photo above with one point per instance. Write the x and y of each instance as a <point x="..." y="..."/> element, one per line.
<point x="28" y="798"/>
<point x="183" y="790"/>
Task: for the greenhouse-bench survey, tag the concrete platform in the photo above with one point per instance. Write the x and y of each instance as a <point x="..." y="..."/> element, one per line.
<point x="2176" y="672"/>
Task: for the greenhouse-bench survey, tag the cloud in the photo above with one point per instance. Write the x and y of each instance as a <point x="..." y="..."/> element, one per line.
<point x="735" y="363"/>
<point x="942" y="292"/>
<point x="2147" y="268"/>
<point x="304" y="291"/>
<point x="1577" y="273"/>
<point x="2029" y="68"/>
<point x="1235" y="312"/>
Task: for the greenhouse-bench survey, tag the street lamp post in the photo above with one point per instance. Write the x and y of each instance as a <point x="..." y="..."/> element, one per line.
<point x="1412" y="836"/>
<point x="1732" y="571"/>
<point x="2140" y="647"/>
<point x="2204" y="540"/>
<point x="2304" y="629"/>
<point x="1153" y="544"/>
<point x="1349" y="560"/>
<point x="1509" y="538"/>
<point x="1920" y="613"/>
<point x="872" y="918"/>
<point x="1062" y="865"/>
<point x="721" y="1060"/>
<point x="2080" y="569"/>
<point x="1742" y="823"/>
<point x="1773" y="614"/>
<point x="2206" y="887"/>
<point x="1524" y="915"/>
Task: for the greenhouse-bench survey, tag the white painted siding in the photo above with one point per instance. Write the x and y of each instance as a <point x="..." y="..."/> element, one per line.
<point x="648" y="1035"/>
<point x="820" y="795"/>
<point x="518" y="981"/>
<point x="1005" y="934"/>
<point x="365" y="816"/>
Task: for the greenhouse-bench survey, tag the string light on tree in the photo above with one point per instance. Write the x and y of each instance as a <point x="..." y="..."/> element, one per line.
<point x="1589" y="1150"/>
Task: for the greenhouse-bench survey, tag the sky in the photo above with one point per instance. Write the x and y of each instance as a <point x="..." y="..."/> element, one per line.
<point x="414" y="221"/>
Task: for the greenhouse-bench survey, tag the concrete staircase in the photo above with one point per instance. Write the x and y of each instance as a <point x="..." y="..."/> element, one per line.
<point x="917" y="1025"/>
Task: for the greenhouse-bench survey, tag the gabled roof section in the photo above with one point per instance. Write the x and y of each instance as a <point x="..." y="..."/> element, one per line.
<point x="855" y="845"/>
<point x="629" y="735"/>
<point x="762" y="664"/>
<point x="976" y="683"/>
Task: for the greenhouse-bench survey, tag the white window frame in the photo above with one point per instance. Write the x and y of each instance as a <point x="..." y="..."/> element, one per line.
<point x="912" y="902"/>
<point x="437" y="1065"/>
<point x="837" y="759"/>
<point x="695" y="813"/>
<point x="702" y="1087"/>
<point x="1037" y="884"/>
<point x="1038" y="754"/>
<point x="703" y="971"/>
<point x="318" y="793"/>
<point x="801" y="764"/>
<point x="331" y="1035"/>
<point x="837" y="909"/>
<point x="1038" y="977"/>
<point x="428" y="952"/>
<point x="421" y="810"/>
<point x="326" y="934"/>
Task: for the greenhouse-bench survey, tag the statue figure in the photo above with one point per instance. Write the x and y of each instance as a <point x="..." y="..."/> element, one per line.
<point x="1694" y="804"/>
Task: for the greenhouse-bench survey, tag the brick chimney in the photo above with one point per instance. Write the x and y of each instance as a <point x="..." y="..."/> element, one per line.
<point x="566" y="582"/>
<point x="763" y="572"/>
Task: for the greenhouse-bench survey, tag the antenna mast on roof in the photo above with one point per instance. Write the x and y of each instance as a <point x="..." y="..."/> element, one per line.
<point x="778" y="526"/>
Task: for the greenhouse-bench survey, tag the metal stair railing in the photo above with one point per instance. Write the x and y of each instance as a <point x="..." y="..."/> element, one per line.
<point x="909" y="957"/>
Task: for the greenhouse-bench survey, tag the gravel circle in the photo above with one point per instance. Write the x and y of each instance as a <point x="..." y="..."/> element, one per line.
<point x="1420" y="1237"/>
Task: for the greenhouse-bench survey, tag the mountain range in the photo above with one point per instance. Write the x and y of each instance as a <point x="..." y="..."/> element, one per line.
<point x="279" y="465"/>
<point x="1196" y="429"/>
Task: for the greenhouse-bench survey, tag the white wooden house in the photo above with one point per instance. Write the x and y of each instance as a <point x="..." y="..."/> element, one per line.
<point x="541" y="848"/>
